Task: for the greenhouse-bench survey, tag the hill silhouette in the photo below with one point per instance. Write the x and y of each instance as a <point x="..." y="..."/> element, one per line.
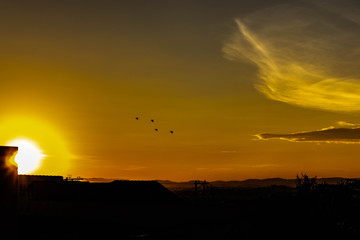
<point x="248" y="183"/>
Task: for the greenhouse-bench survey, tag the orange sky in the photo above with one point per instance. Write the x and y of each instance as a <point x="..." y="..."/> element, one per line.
<point x="75" y="75"/>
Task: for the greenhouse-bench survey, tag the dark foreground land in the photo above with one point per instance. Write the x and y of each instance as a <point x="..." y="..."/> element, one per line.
<point x="147" y="210"/>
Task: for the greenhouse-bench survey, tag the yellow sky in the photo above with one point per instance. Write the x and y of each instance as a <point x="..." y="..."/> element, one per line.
<point x="74" y="76"/>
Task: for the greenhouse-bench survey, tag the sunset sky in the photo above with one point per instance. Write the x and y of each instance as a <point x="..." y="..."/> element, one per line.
<point x="251" y="89"/>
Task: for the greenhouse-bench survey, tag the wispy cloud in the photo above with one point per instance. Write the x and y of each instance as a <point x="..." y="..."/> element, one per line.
<point x="214" y="169"/>
<point x="308" y="54"/>
<point x="134" y="168"/>
<point x="229" y="151"/>
<point x="329" y="135"/>
<point x="265" y="165"/>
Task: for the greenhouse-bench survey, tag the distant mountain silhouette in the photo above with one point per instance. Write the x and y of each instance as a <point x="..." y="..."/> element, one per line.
<point x="249" y="183"/>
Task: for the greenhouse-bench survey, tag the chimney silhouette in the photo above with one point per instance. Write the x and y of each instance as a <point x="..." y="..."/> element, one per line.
<point x="8" y="192"/>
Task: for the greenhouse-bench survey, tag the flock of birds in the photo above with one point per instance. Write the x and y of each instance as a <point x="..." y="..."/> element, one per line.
<point x="156" y="130"/>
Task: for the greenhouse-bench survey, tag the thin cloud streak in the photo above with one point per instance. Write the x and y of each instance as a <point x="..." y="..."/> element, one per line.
<point x="347" y="124"/>
<point x="328" y="135"/>
<point x="308" y="55"/>
<point x="228" y="151"/>
<point x="266" y="165"/>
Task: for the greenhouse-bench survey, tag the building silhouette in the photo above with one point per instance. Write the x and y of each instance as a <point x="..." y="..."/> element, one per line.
<point x="53" y="195"/>
<point x="75" y="208"/>
<point x="87" y="210"/>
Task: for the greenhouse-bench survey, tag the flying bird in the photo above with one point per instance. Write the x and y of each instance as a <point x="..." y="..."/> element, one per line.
<point x="156" y="130"/>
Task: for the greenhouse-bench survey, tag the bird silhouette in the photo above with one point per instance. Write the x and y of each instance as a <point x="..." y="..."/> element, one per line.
<point x="156" y="130"/>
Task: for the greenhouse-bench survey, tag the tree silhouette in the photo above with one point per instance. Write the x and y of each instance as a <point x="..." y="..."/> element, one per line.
<point x="305" y="184"/>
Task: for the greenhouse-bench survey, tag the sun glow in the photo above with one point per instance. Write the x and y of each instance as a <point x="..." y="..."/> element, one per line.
<point x="46" y="140"/>
<point x="29" y="156"/>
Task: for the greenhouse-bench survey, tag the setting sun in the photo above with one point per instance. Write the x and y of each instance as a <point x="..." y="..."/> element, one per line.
<point x="29" y="156"/>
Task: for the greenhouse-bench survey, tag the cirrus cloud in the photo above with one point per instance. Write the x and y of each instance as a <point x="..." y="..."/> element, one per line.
<point x="307" y="54"/>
